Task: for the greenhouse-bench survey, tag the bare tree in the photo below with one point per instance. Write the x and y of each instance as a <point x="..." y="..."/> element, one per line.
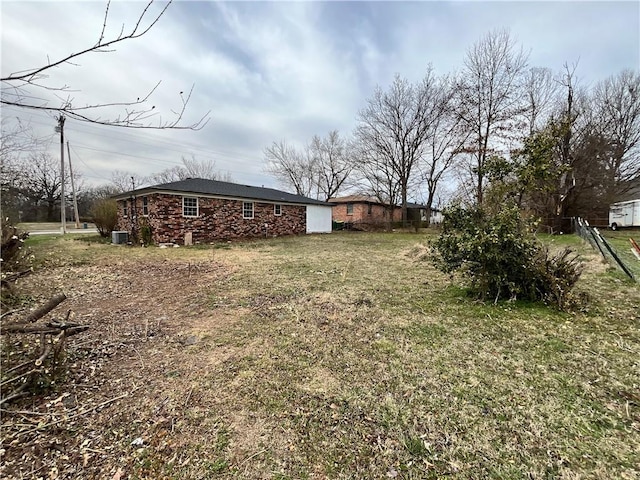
<point x="617" y="110"/>
<point x="42" y="183"/>
<point x="123" y="181"/>
<point x="374" y="176"/>
<point x="541" y="92"/>
<point x="394" y="126"/>
<point x="330" y="158"/>
<point x="566" y="129"/>
<point x="490" y="99"/>
<point x="444" y="142"/>
<point x="292" y="168"/>
<point x="191" y="168"/>
<point x="17" y="88"/>
<point x="16" y="138"/>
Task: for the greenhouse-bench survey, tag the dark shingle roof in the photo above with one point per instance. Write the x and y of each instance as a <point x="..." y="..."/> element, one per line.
<point x="224" y="189"/>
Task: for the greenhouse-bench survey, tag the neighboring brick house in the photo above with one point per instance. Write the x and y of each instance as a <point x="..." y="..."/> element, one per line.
<point x="363" y="211"/>
<point x="196" y="210"/>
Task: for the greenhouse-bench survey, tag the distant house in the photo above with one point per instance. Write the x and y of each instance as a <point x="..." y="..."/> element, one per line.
<point x="436" y="216"/>
<point x="363" y="211"/>
<point x="196" y="210"/>
<point x="416" y="212"/>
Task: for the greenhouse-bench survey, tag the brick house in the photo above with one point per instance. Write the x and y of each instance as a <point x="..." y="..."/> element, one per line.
<point x="196" y="210"/>
<point x="361" y="210"/>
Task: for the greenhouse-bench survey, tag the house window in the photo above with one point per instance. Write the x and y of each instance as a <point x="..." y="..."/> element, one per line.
<point x="125" y="209"/>
<point x="145" y="206"/>
<point x="369" y="209"/>
<point x="277" y="209"/>
<point x="247" y="210"/>
<point x="349" y="208"/>
<point x="190" y="206"/>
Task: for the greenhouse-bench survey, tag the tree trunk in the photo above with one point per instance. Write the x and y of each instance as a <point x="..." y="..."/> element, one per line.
<point x="429" y="207"/>
<point x="404" y="206"/>
<point x="51" y="204"/>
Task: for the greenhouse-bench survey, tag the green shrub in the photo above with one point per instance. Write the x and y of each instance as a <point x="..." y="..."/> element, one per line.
<point x="501" y="258"/>
<point x="146" y="235"/>
<point x="105" y="215"/>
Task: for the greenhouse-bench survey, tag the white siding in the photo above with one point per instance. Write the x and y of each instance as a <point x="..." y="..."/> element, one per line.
<point x="318" y="219"/>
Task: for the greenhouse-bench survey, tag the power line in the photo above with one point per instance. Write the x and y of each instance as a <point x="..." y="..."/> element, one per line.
<point x="140" y="139"/>
<point x="42" y="119"/>
<point x="84" y="163"/>
<point x="147" y="159"/>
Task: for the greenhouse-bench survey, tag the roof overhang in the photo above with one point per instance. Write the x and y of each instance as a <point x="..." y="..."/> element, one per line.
<point x="153" y="191"/>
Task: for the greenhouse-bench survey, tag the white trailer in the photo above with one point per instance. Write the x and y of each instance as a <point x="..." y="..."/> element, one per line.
<point x="624" y="214"/>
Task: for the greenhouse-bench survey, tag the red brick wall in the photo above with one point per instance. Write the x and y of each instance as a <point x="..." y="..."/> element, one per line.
<point x="379" y="214"/>
<point x="218" y="219"/>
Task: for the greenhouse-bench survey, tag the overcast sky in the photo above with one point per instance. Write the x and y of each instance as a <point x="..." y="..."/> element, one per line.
<point x="277" y="70"/>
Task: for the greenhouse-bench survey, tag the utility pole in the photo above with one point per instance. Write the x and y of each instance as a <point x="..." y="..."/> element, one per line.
<point x="73" y="188"/>
<point x="63" y="214"/>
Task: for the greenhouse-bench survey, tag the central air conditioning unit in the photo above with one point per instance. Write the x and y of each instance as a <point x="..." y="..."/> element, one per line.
<point x="120" y="238"/>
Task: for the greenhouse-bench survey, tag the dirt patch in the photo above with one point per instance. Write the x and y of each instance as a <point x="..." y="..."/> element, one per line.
<point x="126" y="378"/>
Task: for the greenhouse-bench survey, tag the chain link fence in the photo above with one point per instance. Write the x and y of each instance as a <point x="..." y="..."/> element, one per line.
<point x="598" y="242"/>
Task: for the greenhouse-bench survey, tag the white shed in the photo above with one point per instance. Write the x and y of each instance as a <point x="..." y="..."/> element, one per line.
<point x="318" y="218"/>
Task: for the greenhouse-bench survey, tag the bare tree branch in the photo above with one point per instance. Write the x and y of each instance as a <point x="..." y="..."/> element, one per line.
<point x="137" y="112"/>
<point x="29" y="75"/>
<point x="330" y="157"/>
<point x="394" y="127"/>
<point x="292" y="168"/>
<point x="490" y="97"/>
<point x="191" y="168"/>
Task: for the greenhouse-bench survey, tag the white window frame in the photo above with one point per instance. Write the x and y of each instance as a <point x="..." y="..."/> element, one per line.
<point x="244" y="210"/>
<point x="145" y="206"/>
<point x="125" y="209"/>
<point x="190" y="206"/>
<point x="277" y="209"/>
<point x="349" y="205"/>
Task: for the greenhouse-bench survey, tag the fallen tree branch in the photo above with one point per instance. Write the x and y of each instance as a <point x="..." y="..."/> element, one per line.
<point x="18" y="392"/>
<point x="79" y="414"/>
<point x="17" y="367"/>
<point x="12" y="277"/>
<point x="53" y="335"/>
<point x="17" y="377"/>
<point x="47" y="349"/>
<point x="10" y="312"/>
<point x="46" y="308"/>
<point x="49" y="329"/>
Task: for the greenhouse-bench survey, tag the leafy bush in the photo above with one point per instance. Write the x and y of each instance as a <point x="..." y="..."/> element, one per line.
<point x="501" y="258"/>
<point x="105" y="215"/>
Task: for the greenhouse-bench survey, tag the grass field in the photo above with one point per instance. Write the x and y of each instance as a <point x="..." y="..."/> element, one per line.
<point x="341" y="356"/>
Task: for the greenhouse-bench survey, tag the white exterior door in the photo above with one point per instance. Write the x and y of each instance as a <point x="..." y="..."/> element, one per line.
<point x="318" y="219"/>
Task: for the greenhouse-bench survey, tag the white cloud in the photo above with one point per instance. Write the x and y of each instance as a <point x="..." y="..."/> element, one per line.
<point x="276" y="70"/>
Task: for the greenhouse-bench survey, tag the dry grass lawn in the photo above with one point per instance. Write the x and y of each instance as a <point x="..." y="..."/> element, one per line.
<point x="324" y="357"/>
